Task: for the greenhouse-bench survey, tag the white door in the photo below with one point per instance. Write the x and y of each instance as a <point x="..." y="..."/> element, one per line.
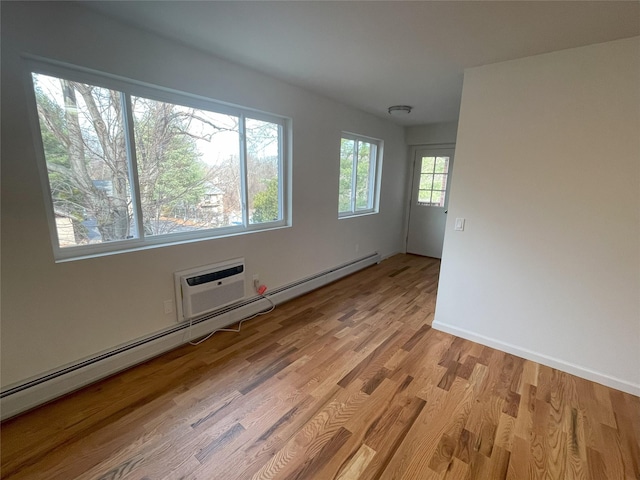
<point x="429" y="197"/>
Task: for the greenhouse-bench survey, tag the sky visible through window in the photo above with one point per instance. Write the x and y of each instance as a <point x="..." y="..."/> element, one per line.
<point x="193" y="171"/>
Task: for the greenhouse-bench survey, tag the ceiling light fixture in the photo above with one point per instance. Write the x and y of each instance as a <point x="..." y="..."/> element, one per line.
<point x="400" y="110"/>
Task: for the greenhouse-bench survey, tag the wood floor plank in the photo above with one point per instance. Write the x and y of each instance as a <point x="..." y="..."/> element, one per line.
<point x="357" y="464"/>
<point x="348" y="382"/>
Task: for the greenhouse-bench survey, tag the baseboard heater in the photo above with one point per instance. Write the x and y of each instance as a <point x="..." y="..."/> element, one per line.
<point x="16" y="399"/>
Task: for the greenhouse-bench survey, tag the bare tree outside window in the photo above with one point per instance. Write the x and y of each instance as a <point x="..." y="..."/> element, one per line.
<point x="191" y="165"/>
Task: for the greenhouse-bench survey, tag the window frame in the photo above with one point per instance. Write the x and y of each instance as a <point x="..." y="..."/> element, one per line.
<point x="374" y="177"/>
<point x="128" y="88"/>
<point x="433" y="173"/>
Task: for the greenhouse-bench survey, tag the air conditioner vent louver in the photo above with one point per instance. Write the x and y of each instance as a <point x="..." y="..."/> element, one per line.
<point x="210" y="277"/>
<point x="204" y="289"/>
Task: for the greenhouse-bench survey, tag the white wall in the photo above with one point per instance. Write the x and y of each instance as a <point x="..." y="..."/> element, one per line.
<point x="432" y="133"/>
<point x="54" y="314"/>
<point x="548" y="177"/>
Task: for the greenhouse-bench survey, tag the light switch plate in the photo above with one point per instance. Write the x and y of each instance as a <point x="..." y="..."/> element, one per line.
<point x="459" y="224"/>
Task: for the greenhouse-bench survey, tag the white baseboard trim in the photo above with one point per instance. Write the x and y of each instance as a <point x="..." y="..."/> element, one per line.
<point x="18" y="398"/>
<point x="552" y="362"/>
<point x="384" y="256"/>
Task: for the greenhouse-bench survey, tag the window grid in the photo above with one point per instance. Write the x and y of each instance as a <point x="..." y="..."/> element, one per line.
<point x="431" y="193"/>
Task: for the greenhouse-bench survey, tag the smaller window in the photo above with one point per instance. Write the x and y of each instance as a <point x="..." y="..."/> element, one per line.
<point x="433" y="181"/>
<point x="360" y="162"/>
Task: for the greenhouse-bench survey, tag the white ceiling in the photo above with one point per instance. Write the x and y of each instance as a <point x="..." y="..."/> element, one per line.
<point x="372" y="55"/>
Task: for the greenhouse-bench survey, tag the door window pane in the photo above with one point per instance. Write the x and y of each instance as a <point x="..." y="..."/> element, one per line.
<point x="426" y="182"/>
<point x="424" y="196"/>
<point x="439" y="182"/>
<point x="427" y="164"/>
<point x="442" y="165"/>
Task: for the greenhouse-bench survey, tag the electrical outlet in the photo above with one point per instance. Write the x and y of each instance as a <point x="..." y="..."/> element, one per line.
<point x="357" y="247"/>
<point x="168" y="307"/>
<point x="256" y="281"/>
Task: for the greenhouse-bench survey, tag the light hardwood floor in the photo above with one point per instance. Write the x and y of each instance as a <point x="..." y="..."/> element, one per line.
<point x="348" y="382"/>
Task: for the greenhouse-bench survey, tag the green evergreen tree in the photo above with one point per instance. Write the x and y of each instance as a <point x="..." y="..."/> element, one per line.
<point x="265" y="203"/>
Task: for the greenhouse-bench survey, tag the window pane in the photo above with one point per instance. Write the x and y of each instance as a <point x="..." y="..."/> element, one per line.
<point x="263" y="149"/>
<point x="366" y="152"/>
<point x="427" y="164"/>
<point x="424" y="196"/>
<point x="83" y="137"/>
<point x="439" y="182"/>
<point x="442" y="165"/>
<point x="347" y="148"/>
<point x="437" y="198"/>
<point x="188" y="167"/>
<point x="426" y="182"/>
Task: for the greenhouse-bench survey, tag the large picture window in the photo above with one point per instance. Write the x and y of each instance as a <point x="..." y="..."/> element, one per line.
<point x="129" y="165"/>
<point x="360" y="161"/>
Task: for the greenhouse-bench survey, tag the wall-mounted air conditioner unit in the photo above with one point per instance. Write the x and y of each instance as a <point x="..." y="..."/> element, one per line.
<point x="202" y="290"/>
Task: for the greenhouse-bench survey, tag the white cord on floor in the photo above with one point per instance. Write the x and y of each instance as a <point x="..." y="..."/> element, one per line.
<point x="271" y="309"/>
